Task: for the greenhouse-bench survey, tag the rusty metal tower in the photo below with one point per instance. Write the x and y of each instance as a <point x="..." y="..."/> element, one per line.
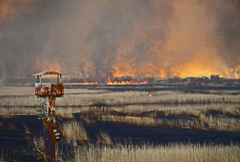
<point x="47" y="92"/>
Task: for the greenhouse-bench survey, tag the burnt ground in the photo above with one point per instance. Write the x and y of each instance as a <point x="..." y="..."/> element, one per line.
<point x="186" y="88"/>
<point x="17" y="145"/>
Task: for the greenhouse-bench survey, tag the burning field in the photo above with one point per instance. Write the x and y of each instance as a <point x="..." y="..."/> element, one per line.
<point x="146" y="80"/>
<point x="96" y="40"/>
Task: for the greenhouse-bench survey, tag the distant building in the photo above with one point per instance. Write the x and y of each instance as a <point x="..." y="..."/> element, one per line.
<point x="215" y="78"/>
<point x="150" y="80"/>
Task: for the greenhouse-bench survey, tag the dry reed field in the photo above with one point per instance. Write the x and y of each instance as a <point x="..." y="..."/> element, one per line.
<point x="162" y="153"/>
<point x="130" y="98"/>
<point x="121" y="152"/>
<point x="198" y="116"/>
<point x="17" y="91"/>
<point x="148" y="116"/>
<point x="164" y="109"/>
<point x="9" y="112"/>
<point x="177" y="110"/>
<point x="18" y="96"/>
<point x="203" y="123"/>
<point x="5" y="157"/>
<point x="12" y="111"/>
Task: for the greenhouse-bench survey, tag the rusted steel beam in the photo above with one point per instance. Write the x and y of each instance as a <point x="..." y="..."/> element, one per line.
<point x="49" y="142"/>
<point x="49" y="126"/>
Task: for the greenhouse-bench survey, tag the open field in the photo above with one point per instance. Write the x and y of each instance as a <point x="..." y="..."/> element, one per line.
<point x="16" y="96"/>
<point x="101" y="134"/>
<point x="200" y="116"/>
<point x="203" y="123"/>
<point x="176" y="126"/>
<point x="192" y="119"/>
<point x="162" y="153"/>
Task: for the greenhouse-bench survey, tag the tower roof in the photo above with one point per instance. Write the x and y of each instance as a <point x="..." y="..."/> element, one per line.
<point x="49" y="72"/>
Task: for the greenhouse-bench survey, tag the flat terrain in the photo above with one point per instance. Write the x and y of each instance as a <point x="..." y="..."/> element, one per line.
<point x="155" y="123"/>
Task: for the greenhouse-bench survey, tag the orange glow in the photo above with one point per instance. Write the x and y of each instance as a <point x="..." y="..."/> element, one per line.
<point x="55" y="66"/>
<point x="124" y="83"/>
<point x="186" y="52"/>
<point x="150" y="94"/>
<point x="86" y="83"/>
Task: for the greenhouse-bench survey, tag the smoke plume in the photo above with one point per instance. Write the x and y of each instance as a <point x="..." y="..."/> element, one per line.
<point x="104" y="38"/>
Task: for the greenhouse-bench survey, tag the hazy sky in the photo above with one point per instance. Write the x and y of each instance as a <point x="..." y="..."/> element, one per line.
<point x="101" y="38"/>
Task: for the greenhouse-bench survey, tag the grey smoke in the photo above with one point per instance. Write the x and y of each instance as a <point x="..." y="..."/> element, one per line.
<point x="227" y="32"/>
<point x="97" y="39"/>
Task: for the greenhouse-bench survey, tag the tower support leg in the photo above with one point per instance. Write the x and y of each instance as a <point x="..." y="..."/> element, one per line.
<point x="49" y="125"/>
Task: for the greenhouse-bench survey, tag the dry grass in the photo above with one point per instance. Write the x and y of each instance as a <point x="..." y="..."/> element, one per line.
<point x="84" y="91"/>
<point x="176" y="110"/>
<point x="203" y="122"/>
<point x="39" y="144"/>
<point x="12" y="126"/>
<point x="104" y="138"/>
<point x="139" y="121"/>
<point x="39" y="148"/>
<point x="88" y="120"/>
<point x="127" y="98"/>
<point x="17" y="90"/>
<point x="190" y="112"/>
<point x="11" y="111"/>
<point x="231" y="110"/>
<point x="4" y="157"/>
<point x="65" y="112"/>
<point x="17" y="100"/>
<point x="74" y="130"/>
<point x="27" y="130"/>
<point x="221" y="123"/>
<point x="169" y="153"/>
<point x="66" y="115"/>
<point x="12" y="96"/>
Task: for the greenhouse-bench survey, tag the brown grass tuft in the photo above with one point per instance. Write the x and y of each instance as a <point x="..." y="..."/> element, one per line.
<point x="5" y="157"/>
<point x="104" y="138"/>
<point x="65" y="113"/>
<point x="12" y="126"/>
<point x="74" y="130"/>
<point x="88" y="120"/>
<point x="39" y="144"/>
<point x="27" y="130"/>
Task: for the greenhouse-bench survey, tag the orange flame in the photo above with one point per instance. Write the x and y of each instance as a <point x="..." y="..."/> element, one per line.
<point x="150" y="94"/>
<point x="86" y="83"/>
<point x="123" y="82"/>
